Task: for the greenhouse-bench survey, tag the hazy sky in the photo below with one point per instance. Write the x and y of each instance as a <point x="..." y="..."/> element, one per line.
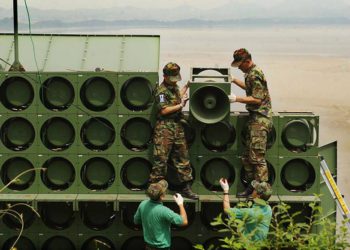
<point x="101" y="4"/>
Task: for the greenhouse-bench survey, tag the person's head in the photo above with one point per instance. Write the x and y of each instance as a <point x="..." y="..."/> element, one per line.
<point x="262" y="190"/>
<point x="242" y="59"/>
<point x="171" y="73"/>
<point x="156" y="191"/>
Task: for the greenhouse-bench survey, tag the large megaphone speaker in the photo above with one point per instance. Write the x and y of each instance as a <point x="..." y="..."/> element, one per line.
<point x="209" y="102"/>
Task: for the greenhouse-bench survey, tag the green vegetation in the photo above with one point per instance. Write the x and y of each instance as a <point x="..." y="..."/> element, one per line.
<point x="287" y="231"/>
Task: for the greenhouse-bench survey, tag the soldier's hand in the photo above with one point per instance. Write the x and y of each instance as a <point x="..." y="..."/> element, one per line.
<point x="231" y="78"/>
<point x="178" y="199"/>
<point x="187" y="83"/>
<point x="232" y="98"/>
<point x="224" y="185"/>
<point x="184" y="100"/>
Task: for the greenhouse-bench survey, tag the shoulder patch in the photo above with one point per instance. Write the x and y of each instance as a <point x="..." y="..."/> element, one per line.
<point x="161" y="98"/>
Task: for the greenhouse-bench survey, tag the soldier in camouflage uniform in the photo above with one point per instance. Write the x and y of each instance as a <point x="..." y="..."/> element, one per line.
<point x="258" y="103"/>
<point x="169" y="136"/>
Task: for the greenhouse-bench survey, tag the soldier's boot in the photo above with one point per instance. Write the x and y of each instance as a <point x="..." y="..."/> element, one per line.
<point x="246" y="193"/>
<point x="188" y="193"/>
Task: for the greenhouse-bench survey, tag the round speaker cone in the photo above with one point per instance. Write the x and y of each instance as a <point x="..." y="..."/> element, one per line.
<point x="190" y="210"/>
<point x="128" y="211"/>
<point x="209" y="104"/>
<point x="298" y="175"/>
<point x="14" y="167"/>
<point x="57" y="134"/>
<point x="57" y="93"/>
<point x="57" y="215"/>
<point x="182" y="243"/>
<point x="97" y="215"/>
<point x="296" y="135"/>
<point x="58" y="173"/>
<point x="97" y="134"/>
<point x="136" y="134"/>
<point x="22" y="243"/>
<point x="14" y="99"/>
<point x="217" y="137"/>
<point x="97" y="94"/>
<point x="17" y="134"/>
<point x="215" y="169"/>
<point x="100" y="243"/>
<point x="136" y="94"/>
<point x="58" y="243"/>
<point x="133" y="243"/>
<point x="135" y="173"/>
<point x="97" y="174"/>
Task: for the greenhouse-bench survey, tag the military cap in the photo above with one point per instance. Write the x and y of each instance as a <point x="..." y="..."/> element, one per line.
<point x="262" y="188"/>
<point x="239" y="56"/>
<point x="156" y="190"/>
<point x="172" y="70"/>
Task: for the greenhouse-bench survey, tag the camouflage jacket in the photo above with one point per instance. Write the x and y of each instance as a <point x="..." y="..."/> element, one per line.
<point x="165" y="96"/>
<point x="256" y="86"/>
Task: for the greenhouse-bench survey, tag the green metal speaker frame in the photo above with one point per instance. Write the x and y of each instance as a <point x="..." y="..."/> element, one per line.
<point x="204" y="147"/>
<point x="125" y="137"/>
<point x="70" y="121"/>
<point x="57" y="238"/>
<point x="204" y="169"/>
<point x="124" y="80"/>
<point x="128" y="164"/>
<point x="25" y="101"/>
<point x="273" y="167"/>
<point x="297" y="126"/>
<point x="61" y="175"/>
<point x="273" y="142"/>
<point x="104" y="138"/>
<point x="88" y="81"/>
<point x="307" y="168"/>
<point x="90" y="168"/>
<point x="20" y="133"/>
<point x="29" y="182"/>
<point x="32" y="237"/>
<point x="221" y="87"/>
<point x="52" y="95"/>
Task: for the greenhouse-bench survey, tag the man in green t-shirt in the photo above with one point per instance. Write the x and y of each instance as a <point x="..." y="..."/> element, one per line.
<point x="156" y="218"/>
<point x="258" y="217"/>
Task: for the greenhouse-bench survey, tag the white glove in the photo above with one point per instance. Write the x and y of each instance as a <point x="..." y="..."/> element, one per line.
<point x="188" y="84"/>
<point x="224" y="185"/>
<point x="231" y="78"/>
<point x="178" y="199"/>
<point x="184" y="100"/>
<point x="232" y="98"/>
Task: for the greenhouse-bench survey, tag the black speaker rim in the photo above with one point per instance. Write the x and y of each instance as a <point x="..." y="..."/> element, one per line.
<point x="54" y="186"/>
<point x="9" y="242"/>
<point x="230" y="140"/>
<point x="85" y="140"/>
<point x="6" y="140"/>
<point x="304" y="186"/>
<point x="13" y="223"/>
<point x="45" y="210"/>
<point x="130" y="146"/>
<point x="98" y="238"/>
<point x="50" y="145"/>
<point x="83" y="206"/>
<point x="6" y="179"/>
<point x="272" y="174"/>
<point x="93" y="186"/>
<point x="129" y="208"/>
<point x="125" y="179"/>
<point x="209" y="185"/>
<point x="5" y="100"/>
<point x="187" y="241"/>
<point x="46" y="245"/>
<point x="130" y="105"/>
<point x="189" y="130"/>
<point x="88" y="104"/>
<point x="127" y="242"/>
<point x="205" y="216"/>
<point x="190" y="208"/>
<point x="44" y="97"/>
<point x="287" y="144"/>
<point x="174" y="182"/>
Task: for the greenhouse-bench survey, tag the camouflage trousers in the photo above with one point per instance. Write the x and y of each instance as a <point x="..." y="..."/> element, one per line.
<point x="253" y="158"/>
<point x="169" y="146"/>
